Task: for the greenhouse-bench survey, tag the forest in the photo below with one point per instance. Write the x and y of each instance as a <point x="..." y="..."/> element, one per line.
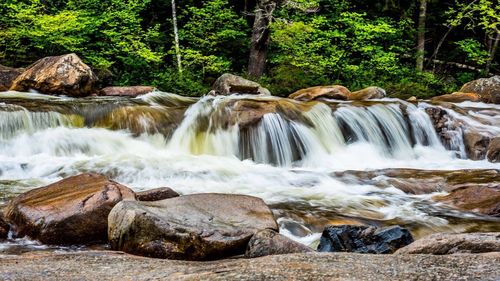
<point x="411" y="48"/>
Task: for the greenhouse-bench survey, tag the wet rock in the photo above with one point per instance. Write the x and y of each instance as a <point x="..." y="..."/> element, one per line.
<point x="7" y="76"/>
<point x="368" y="93"/>
<point x="362" y="239"/>
<point x="447" y="243"/>
<point x="130" y="91"/>
<point x="228" y="84"/>
<point x="412" y="99"/>
<point x="487" y="88"/>
<point x="493" y="153"/>
<point x="478" y="199"/>
<point x="269" y="242"/>
<point x="330" y="92"/>
<point x="156" y="194"/>
<point x="58" y="75"/>
<point x="191" y="227"/>
<point x="4" y="227"/>
<point x="457" y="97"/>
<point x="476" y="144"/>
<point x="71" y="211"/>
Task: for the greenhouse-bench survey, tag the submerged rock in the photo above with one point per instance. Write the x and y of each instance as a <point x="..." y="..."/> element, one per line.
<point x="458" y="97"/>
<point x="58" y="75"/>
<point x="130" y="91"/>
<point x="191" y="227"/>
<point x="269" y="242"/>
<point x="228" y="84"/>
<point x="7" y="76"/>
<point x="330" y="92"/>
<point x="487" y="88"/>
<point x="71" y="211"/>
<point x="363" y="239"/>
<point x="368" y="93"/>
<point x="156" y="194"/>
<point x="4" y="227"/>
<point x="479" y="199"/>
<point x="447" y="243"/>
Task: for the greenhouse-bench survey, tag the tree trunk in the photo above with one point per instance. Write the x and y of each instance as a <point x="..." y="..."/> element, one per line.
<point x="494" y="49"/>
<point x="176" y="37"/>
<point x="260" y="37"/>
<point x="421" y="35"/>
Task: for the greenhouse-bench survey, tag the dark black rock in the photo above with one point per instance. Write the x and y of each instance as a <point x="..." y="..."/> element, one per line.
<point x="362" y="239"/>
<point x="4" y="227"/>
<point x="156" y="194"/>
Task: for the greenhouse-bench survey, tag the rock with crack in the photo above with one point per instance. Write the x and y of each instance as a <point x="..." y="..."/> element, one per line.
<point x="71" y="211"/>
<point x="191" y="227"/>
<point x="448" y="243"/>
<point x="363" y="239"/>
<point x="228" y="84"/>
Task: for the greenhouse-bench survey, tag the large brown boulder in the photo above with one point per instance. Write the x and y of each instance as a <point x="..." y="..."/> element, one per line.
<point x="493" y="153"/>
<point x="228" y="84"/>
<point x="487" y="88"/>
<point x="269" y="242"/>
<point x="58" y="75"/>
<point x="4" y="227"/>
<point x="312" y="93"/>
<point x="480" y="199"/>
<point x="447" y="243"/>
<point x="7" y="76"/>
<point x="368" y="93"/>
<point x="130" y="91"/>
<point x="156" y="194"/>
<point x="476" y="144"/>
<point x="191" y="227"/>
<point x="71" y="211"/>
<point x="457" y="97"/>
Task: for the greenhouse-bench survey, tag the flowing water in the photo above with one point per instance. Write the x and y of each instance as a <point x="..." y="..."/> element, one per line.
<point x="288" y="153"/>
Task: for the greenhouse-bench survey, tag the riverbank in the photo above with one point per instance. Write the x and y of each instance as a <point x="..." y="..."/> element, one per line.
<point x="104" y="265"/>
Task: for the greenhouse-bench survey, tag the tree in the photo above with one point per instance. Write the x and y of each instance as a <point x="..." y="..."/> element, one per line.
<point x="421" y="35"/>
<point x="176" y="37"/>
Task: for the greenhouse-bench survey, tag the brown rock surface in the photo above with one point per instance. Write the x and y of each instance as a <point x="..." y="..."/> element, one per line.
<point x="458" y="97"/>
<point x="192" y="227"/>
<point x="444" y="244"/>
<point x="228" y="84"/>
<point x="4" y="227"/>
<point x="59" y="75"/>
<point x="487" y="88"/>
<point x="478" y="199"/>
<point x="493" y="153"/>
<point x="476" y="144"/>
<point x="368" y="93"/>
<point x="103" y="266"/>
<point x="130" y="91"/>
<point x="71" y="211"/>
<point x="331" y="92"/>
<point x="156" y="194"/>
<point x="269" y="242"/>
<point x="7" y="76"/>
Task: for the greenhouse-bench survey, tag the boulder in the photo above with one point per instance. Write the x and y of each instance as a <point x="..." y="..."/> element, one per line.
<point x="268" y="242"/>
<point x="4" y="227"/>
<point x="487" y="88"/>
<point x="7" y="76"/>
<point x="190" y="227"/>
<point x="493" y="153"/>
<point x="130" y="91"/>
<point x="368" y="93"/>
<point x="363" y="239"/>
<point x="228" y="84"/>
<point x="457" y="97"/>
<point x="156" y="194"/>
<point x="473" y="198"/>
<point x="71" y="211"/>
<point x="447" y="243"/>
<point x="58" y="75"/>
<point x="412" y="99"/>
<point x="330" y="92"/>
<point x="476" y="144"/>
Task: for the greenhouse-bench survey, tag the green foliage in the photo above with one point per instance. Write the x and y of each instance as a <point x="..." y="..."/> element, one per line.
<point x="474" y="51"/>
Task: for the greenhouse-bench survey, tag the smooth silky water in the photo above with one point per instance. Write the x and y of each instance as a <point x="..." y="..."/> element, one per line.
<point x="198" y="145"/>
